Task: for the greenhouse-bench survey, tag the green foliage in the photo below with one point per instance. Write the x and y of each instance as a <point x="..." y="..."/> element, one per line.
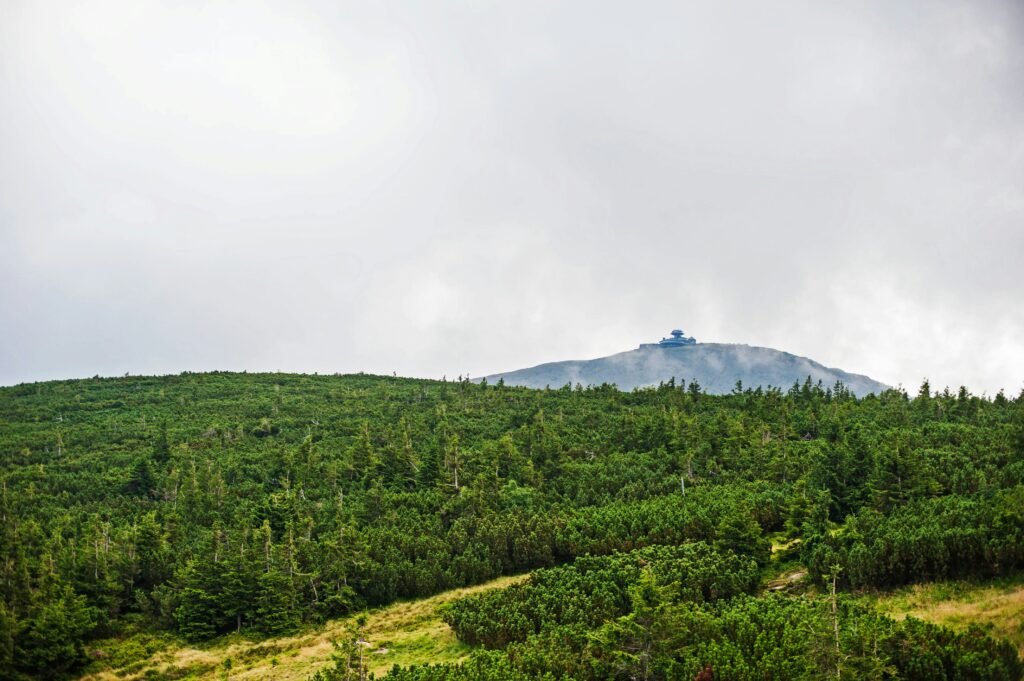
<point x="214" y="503"/>
<point x="740" y="533"/>
<point x="482" y="667"/>
<point x="951" y="536"/>
<point x="746" y="638"/>
<point x="592" y="590"/>
<point x="47" y="643"/>
<point x="348" y="656"/>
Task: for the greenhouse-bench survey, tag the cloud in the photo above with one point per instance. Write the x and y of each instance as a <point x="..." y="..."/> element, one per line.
<point x="447" y="188"/>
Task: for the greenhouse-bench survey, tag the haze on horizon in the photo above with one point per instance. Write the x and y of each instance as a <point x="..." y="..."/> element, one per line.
<point x="443" y="188"/>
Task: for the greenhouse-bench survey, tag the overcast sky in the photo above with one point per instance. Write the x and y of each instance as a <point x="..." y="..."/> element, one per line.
<point x="438" y="188"/>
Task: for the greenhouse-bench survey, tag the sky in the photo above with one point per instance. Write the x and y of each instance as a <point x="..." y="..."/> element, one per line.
<point x="446" y="188"/>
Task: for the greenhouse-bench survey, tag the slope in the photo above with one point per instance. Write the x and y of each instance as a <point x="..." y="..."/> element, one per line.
<point x="409" y="632"/>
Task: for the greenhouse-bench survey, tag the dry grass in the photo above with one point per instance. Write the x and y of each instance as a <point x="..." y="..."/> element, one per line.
<point x="996" y="606"/>
<point x="410" y="632"/>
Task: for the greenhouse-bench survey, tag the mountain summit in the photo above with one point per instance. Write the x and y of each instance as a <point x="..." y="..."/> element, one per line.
<point x="715" y="366"/>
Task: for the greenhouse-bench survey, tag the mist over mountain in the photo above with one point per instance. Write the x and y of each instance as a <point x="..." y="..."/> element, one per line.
<point x="715" y="366"/>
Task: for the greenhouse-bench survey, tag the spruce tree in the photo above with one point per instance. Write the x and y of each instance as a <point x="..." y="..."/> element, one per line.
<point x="162" y="446"/>
<point x="141" y="483"/>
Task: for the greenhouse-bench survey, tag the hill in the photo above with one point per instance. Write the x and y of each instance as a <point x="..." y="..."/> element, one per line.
<point x="207" y="510"/>
<point x="715" y="366"/>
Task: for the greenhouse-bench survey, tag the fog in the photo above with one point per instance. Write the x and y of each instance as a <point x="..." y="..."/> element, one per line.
<point x="448" y="188"/>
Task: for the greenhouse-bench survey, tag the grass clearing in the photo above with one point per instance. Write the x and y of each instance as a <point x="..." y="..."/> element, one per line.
<point x="409" y="632"/>
<point x="997" y="606"/>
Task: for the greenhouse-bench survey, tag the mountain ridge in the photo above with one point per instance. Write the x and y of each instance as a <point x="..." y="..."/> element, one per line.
<point x="715" y="366"/>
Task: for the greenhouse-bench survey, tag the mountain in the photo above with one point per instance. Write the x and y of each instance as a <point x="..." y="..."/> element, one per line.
<point x="715" y="366"/>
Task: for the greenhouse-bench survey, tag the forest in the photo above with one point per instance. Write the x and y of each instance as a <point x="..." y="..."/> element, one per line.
<point x="209" y="504"/>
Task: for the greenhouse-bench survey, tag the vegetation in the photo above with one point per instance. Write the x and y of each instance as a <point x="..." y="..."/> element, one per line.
<point x="205" y="505"/>
<point x="406" y="633"/>
<point x="996" y="606"/>
<point x="743" y="638"/>
<point x="593" y="590"/>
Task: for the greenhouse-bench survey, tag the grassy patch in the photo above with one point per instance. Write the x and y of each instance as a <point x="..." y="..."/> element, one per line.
<point x="997" y="606"/>
<point x="403" y="633"/>
<point x="131" y="650"/>
<point x="784" y="572"/>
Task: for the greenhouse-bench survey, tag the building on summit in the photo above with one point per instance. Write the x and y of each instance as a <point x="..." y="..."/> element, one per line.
<point x="677" y="339"/>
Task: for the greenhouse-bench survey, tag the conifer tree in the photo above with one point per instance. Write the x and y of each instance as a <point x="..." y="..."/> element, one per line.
<point x="141" y="483"/>
<point x="739" y="532"/>
<point x="162" y="446"/>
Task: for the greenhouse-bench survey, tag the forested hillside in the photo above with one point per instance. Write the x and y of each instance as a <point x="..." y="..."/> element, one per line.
<point x="205" y="504"/>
